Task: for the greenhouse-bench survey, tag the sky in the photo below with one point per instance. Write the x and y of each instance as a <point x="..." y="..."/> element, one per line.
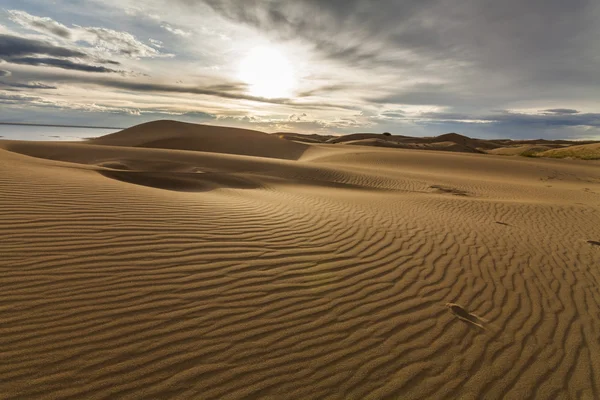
<point x="490" y="69"/>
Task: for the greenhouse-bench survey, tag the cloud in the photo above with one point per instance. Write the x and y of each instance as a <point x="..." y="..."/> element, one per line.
<point x="4" y="72"/>
<point x="393" y="114"/>
<point x="226" y="90"/>
<point x="297" y="117"/>
<point x="416" y="25"/>
<point x="15" y="46"/>
<point x="41" y="24"/>
<point x="290" y="124"/>
<point x="8" y="98"/>
<point x="156" y="43"/>
<point x="23" y="51"/>
<point x="58" y="63"/>
<point x="479" y="52"/>
<point x="116" y="42"/>
<point x="353" y="30"/>
<point x="513" y="119"/>
<point x="30" y="85"/>
<point x="325" y="89"/>
<point x="104" y="40"/>
<point x="175" y="31"/>
<point x="235" y="91"/>
<point x="37" y="103"/>
<point x="561" y="111"/>
<point x="423" y="94"/>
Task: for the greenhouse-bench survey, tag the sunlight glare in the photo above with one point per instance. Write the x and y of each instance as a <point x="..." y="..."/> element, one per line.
<point x="268" y="73"/>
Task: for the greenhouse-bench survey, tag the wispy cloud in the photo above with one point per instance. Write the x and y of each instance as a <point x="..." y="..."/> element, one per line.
<point x="58" y="63"/>
<point x="175" y="31"/>
<point x="233" y="91"/>
<point x="116" y="42"/>
<point x="41" y="24"/>
<point x="28" y="85"/>
<point x="109" y="41"/>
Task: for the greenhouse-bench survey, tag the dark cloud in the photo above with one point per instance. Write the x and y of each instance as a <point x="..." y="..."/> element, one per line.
<point x="52" y="28"/>
<point x="111" y="62"/>
<point x="587" y="119"/>
<point x="561" y="111"/>
<point x="512" y="119"/>
<point x="4" y="72"/>
<point x="29" y="85"/>
<point x="450" y="28"/>
<point x="15" y="46"/>
<point x="393" y="114"/>
<point x="18" y="50"/>
<point x="350" y="30"/>
<point x="58" y="63"/>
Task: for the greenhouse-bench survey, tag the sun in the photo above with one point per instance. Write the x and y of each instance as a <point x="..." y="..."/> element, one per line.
<point x="268" y="73"/>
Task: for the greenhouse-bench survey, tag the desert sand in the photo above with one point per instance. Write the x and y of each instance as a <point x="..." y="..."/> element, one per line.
<point x="181" y="261"/>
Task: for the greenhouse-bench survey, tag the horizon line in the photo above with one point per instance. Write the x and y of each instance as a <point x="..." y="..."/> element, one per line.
<point x="60" y="125"/>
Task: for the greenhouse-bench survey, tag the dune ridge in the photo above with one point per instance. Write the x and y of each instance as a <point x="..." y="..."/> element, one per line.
<point x="167" y="134"/>
<point x="342" y="272"/>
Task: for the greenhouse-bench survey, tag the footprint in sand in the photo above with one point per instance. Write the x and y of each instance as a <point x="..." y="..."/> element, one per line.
<point x="593" y="243"/>
<point x="466" y="316"/>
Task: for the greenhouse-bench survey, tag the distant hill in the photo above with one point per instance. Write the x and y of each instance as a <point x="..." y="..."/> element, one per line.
<point x="456" y="142"/>
<point x="166" y="134"/>
<point x="447" y="142"/>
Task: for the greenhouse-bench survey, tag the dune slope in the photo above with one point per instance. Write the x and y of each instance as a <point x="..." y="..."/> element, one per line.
<point x="167" y="134"/>
<point x="585" y="152"/>
<point x="354" y="272"/>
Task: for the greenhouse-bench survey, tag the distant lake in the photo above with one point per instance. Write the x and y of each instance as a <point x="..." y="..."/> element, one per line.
<point x="27" y="132"/>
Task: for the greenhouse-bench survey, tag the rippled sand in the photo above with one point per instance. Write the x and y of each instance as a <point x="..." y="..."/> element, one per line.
<point x="294" y="271"/>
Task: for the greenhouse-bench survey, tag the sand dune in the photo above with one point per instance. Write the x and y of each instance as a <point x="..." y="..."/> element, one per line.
<point x="590" y="151"/>
<point x="184" y="136"/>
<point x="585" y="151"/>
<point x="340" y="272"/>
<point x="522" y="150"/>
